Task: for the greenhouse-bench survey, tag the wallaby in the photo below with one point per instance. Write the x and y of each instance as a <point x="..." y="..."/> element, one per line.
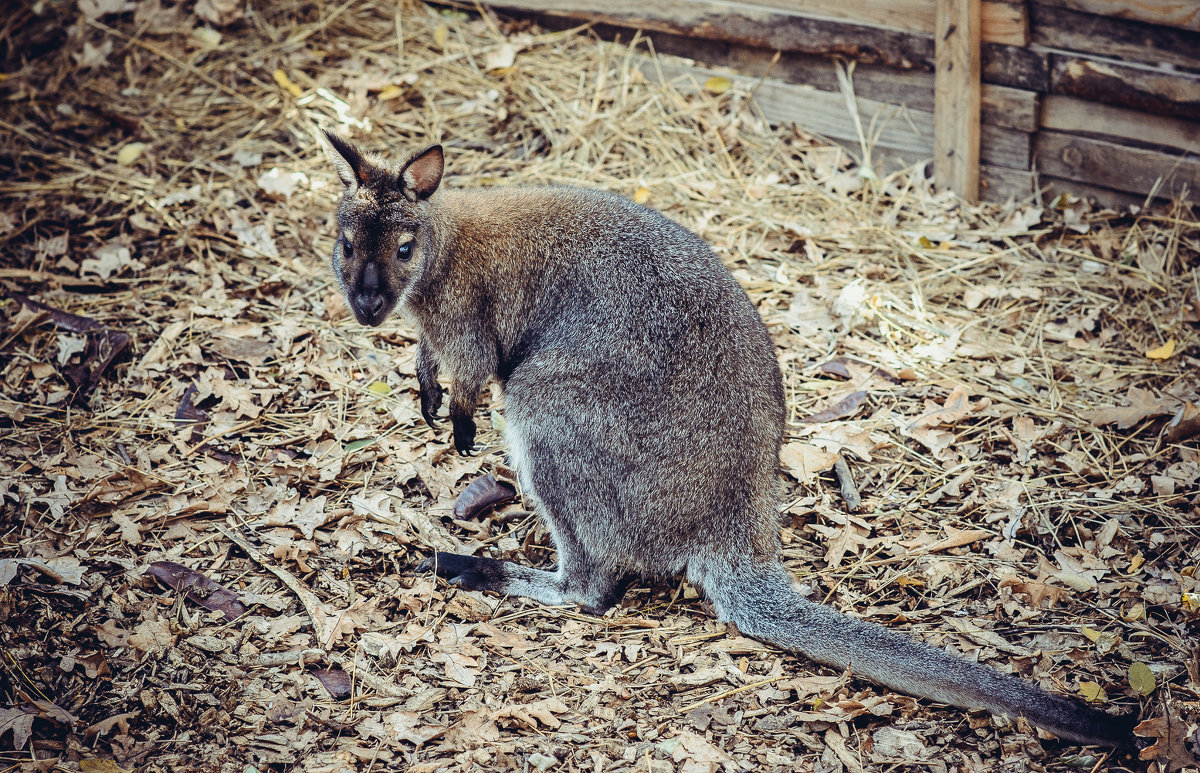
<point x="643" y="404"/>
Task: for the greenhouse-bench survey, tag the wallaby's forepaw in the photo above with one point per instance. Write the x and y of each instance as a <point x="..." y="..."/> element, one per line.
<point x="464" y="435"/>
<point x="466" y="572"/>
<point x="431" y="401"/>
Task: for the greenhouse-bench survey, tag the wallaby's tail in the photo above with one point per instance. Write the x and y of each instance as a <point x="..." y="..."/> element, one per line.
<point x="761" y="601"/>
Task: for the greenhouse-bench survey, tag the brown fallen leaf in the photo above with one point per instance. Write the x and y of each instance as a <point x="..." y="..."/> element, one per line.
<point x="1185" y="424"/>
<point x="1142" y="404"/>
<point x="532" y="714"/>
<point x="847" y="406"/>
<point x="958" y="538"/>
<point x="198" y="588"/>
<point x="805" y="461"/>
<point x="847" y="540"/>
<point x="120" y="721"/>
<point x="1169" y="748"/>
<point x="100" y="765"/>
<point x="1036" y="591"/>
<point x="103" y="347"/>
<point x="335" y="680"/>
<point x="20" y="722"/>
<point x="481" y="494"/>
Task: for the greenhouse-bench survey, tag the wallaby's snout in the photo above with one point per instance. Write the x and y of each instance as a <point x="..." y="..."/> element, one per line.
<point x="371" y="301"/>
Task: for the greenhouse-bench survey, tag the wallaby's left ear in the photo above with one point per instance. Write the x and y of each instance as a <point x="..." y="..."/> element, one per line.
<point x="422" y="174"/>
<point x="347" y="159"/>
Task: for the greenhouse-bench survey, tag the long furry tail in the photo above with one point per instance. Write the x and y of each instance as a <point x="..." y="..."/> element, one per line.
<point x="762" y="602"/>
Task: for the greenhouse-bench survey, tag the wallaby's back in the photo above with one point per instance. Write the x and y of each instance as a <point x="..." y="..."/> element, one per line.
<point x="633" y="353"/>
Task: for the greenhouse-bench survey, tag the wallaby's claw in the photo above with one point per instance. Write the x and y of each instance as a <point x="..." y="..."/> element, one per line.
<point x="466" y="572"/>
<point x="464" y="436"/>
<point x="431" y="401"/>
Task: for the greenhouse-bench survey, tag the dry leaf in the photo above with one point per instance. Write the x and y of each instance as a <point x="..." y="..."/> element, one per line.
<point x="100" y="765"/>
<point x="718" y="84"/>
<point x="19" y="722"/>
<point x="219" y="12"/>
<point x="805" y="461"/>
<point x="1141" y="678"/>
<point x="1142" y="404"/>
<point x="1163" y="352"/>
<point x="1170" y="744"/>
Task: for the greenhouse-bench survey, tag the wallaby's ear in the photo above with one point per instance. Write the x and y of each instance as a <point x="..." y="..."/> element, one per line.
<point x="347" y="159"/>
<point x="423" y="173"/>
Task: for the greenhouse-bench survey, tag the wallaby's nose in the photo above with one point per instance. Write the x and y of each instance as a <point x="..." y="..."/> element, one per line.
<point x="369" y="304"/>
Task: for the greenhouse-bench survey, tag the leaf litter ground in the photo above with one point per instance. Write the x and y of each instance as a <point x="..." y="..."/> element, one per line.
<point x="215" y="486"/>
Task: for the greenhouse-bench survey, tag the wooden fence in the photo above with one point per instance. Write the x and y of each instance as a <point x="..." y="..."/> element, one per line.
<point x="1095" y="97"/>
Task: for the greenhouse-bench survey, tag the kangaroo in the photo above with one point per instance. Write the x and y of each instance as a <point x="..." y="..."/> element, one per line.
<point x="644" y="409"/>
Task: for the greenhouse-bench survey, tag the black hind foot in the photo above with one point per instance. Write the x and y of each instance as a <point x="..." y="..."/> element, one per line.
<point x="468" y="572"/>
<point x="594" y="592"/>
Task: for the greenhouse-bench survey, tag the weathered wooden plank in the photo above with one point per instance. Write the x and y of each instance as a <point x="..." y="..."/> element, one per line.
<point x="1016" y="67"/>
<point x="1005" y="147"/>
<point x="1151" y="90"/>
<point x="1110" y="165"/>
<point x="1010" y="108"/>
<point x="1184" y="14"/>
<point x="956" y="98"/>
<point x="904" y="132"/>
<point x="999" y="105"/>
<point x="753" y="25"/>
<point x="1077" y="116"/>
<point x="1064" y="29"/>
<point x="997" y="184"/>
<point x="1003" y="22"/>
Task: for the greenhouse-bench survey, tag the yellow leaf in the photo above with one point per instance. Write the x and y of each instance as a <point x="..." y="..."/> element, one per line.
<point x="1136" y="562"/>
<point x="1091" y="633"/>
<point x="1163" y="352"/>
<point x="389" y="91"/>
<point x="641" y="195"/>
<point x="100" y="765"/>
<point x="379" y="388"/>
<point x="1141" y="678"/>
<point x="439" y="35"/>
<point x="909" y="582"/>
<point x="287" y="84"/>
<point x="206" y="37"/>
<point x="1092" y="692"/>
<point x="130" y="153"/>
<point x="1137" y="612"/>
<point x="718" y="85"/>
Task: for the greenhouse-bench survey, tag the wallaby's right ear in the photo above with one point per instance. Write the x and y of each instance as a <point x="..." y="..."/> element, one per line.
<point x="422" y="173"/>
<point x="347" y="159"/>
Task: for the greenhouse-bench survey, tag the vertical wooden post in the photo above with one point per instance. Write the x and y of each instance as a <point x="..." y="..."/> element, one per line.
<point x="956" y="98"/>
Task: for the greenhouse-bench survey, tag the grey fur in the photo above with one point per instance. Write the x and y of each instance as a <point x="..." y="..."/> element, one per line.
<point x="644" y="407"/>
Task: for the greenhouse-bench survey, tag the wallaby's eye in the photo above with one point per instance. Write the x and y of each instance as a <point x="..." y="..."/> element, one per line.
<point x="347" y="248"/>
<point x="404" y="251"/>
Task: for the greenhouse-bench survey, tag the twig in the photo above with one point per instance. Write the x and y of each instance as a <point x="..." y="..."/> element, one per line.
<point x="307" y="598"/>
<point x="846" y="481"/>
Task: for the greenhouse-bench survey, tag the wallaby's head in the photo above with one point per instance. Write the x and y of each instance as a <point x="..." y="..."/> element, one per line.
<point x="383" y="222"/>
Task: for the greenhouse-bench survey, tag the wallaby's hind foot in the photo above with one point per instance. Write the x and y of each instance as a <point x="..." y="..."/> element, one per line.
<point x="595" y="593"/>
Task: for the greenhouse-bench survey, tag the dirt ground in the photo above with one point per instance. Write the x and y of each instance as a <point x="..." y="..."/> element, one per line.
<point x="215" y="485"/>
